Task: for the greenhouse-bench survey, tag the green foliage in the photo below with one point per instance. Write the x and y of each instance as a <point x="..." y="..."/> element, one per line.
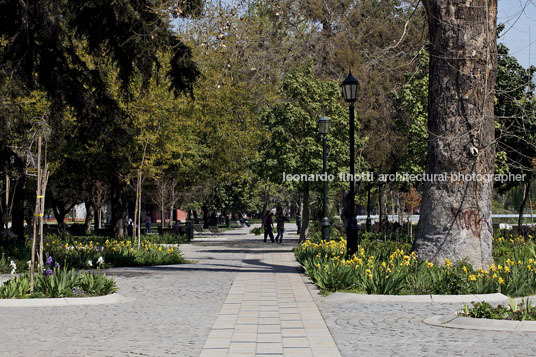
<point x="257" y="231"/>
<point x="294" y="145"/>
<point x="515" y="112"/>
<point x="525" y="310"/>
<point x="412" y="105"/>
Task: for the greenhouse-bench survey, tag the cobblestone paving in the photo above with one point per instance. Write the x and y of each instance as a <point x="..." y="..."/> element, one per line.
<point x="176" y="307"/>
<point x="388" y="329"/>
<point x="172" y="315"/>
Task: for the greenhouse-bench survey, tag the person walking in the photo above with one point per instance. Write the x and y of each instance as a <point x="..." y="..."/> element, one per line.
<point x="268" y="226"/>
<point x="280" y="220"/>
<point x="148" y="222"/>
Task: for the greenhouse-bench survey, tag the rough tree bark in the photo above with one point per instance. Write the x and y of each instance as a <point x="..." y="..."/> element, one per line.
<point x="90" y="214"/>
<point x="119" y="208"/>
<point x="455" y="221"/>
<point x="17" y="213"/>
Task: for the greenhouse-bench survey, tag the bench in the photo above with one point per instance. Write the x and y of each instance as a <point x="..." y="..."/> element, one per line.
<point x="198" y="228"/>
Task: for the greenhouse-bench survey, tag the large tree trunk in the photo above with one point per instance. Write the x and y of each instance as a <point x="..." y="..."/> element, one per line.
<point x="266" y="200"/>
<point x="60" y="211"/>
<point x="90" y="213"/>
<point x="382" y="205"/>
<point x="455" y="221"/>
<point x="17" y="214"/>
<point x="205" y="216"/>
<point x="119" y="208"/>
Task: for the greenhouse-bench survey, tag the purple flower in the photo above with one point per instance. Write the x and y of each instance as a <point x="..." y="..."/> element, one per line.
<point x="47" y="272"/>
<point x="100" y="248"/>
<point x="49" y="261"/>
<point x="57" y="265"/>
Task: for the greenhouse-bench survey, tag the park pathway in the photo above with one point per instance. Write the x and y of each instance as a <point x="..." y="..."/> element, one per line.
<point x="269" y="311"/>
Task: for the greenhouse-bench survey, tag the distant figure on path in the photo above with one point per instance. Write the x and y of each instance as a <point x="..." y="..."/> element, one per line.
<point x="268" y="226"/>
<point x="148" y="222"/>
<point x="280" y="220"/>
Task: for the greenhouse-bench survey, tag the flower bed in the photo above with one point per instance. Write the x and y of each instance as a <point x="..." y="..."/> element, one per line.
<point x="92" y="252"/>
<point x="387" y="268"/>
<point x="56" y="282"/>
<point x="112" y="253"/>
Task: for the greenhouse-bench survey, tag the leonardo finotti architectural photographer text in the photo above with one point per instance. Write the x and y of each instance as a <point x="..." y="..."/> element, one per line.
<point x="405" y="177"/>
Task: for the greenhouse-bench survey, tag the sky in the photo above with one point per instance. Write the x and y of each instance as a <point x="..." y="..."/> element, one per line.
<point x="519" y="35"/>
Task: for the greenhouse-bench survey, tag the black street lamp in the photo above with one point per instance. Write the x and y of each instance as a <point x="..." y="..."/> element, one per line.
<point x="323" y="125"/>
<point x="349" y="88"/>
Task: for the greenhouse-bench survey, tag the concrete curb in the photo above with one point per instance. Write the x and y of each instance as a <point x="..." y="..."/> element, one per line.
<point x="96" y="300"/>
<point x="470" y="323"/>
<point x="438" y="299"/>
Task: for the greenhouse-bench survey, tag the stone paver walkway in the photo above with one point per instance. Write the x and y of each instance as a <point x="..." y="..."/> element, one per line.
<point x="269" y="312"/>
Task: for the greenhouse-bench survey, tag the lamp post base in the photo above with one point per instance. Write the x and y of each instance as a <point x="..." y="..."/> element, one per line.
<point x="369" y="224"/>
<point x="325" y="228"/>
<point x="351" y="237"/>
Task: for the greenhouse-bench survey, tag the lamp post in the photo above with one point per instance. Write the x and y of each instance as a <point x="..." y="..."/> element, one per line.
<point x="349" y="88"/>
<point x="323" y="125"/>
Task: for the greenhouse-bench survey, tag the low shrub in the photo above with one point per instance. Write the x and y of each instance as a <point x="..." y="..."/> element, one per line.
<point x="257" y="231"/>
<point x="484" y="310"/>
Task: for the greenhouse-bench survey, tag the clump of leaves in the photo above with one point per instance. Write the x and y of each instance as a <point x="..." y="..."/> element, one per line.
<point x="58" y="283"/>
<point x="525" y="310"/>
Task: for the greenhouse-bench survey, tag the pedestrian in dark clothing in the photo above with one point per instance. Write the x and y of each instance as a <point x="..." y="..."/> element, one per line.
<point x="280" y="219"/>
<point x="268" y="226"/>
<point x="148" y="222"/>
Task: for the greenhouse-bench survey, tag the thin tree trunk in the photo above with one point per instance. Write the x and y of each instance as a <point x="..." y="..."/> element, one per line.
<point x="526" y="194"/>
<point x="306" y="213"/>
<point x="44" y="181"/>
<point x="455" y="221"/>
<point x="99" y="218"/>
<point x="172" y="203"/>
<point x="400" y="209"/>
<point x="531" y="212"/>
<point x="5" y="207"/>
<point x="137" y="209"/>
<point x="36" y="214"/>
